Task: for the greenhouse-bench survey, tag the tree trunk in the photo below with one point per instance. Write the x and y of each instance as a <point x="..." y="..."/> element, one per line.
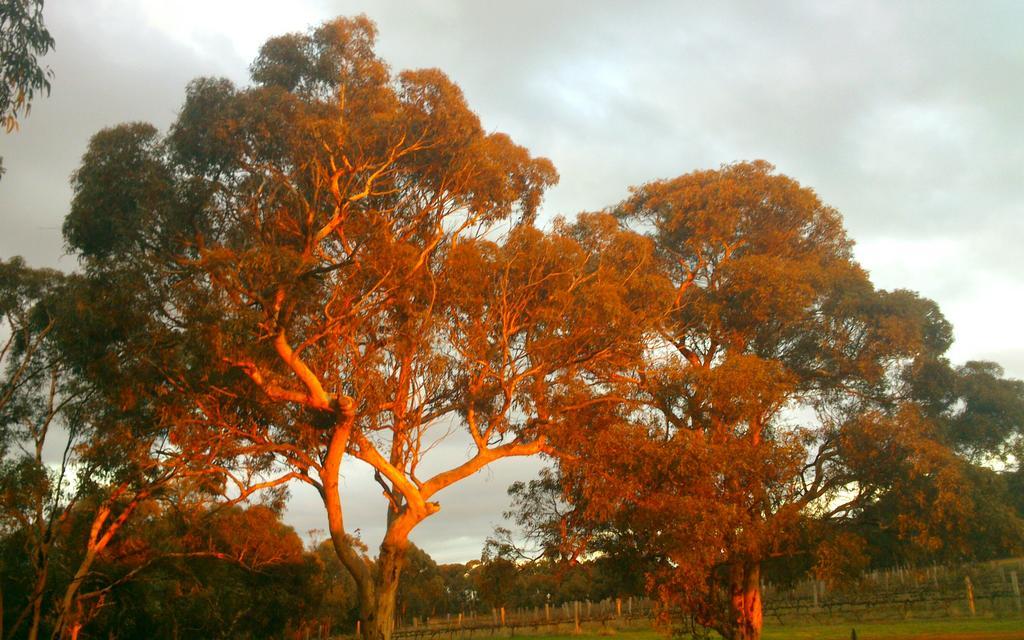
<point x="98" y="541"/>
<point x="37" y="616"/>
<point x="65" y="619"/>
<point x="379" y="618"/>
<point x="378" y="587"/>
<point x="745" y="600"/>
<point x="38" y="592"/>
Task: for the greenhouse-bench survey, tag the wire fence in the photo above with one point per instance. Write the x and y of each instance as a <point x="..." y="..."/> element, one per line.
<point x="549" y="619"/>
<point x="990" y="590"/>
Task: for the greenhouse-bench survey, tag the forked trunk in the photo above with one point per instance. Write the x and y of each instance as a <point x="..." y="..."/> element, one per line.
<point x="378" y="618"/>
<point x="745" y="601"/>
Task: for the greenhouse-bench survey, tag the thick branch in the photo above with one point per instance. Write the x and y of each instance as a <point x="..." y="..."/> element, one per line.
<point x="318" y="398"/>
<point x="482" y="458"/>
<point x="329" y="477"/>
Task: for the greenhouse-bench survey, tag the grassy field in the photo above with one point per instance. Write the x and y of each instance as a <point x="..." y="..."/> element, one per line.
<point x="909" y="630"/>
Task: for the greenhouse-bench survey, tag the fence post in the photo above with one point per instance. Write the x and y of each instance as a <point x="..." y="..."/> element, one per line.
<point x="629" y="606"/>
<point x="1016" y="588"/>
<point x="576" y="615"/>
<point x="970" y="594"/>
<point x="618" y="607"/>
<point x="547" y="612"/>
<point x="503" y="616"/>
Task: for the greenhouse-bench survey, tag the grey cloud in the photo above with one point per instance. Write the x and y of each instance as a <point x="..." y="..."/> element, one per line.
<point x="108" y="69"/>
<point x="469" y="511"/>
<point x="897" y="114"/>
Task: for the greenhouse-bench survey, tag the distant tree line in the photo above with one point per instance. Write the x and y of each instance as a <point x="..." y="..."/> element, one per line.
<point x="182" y="569"/>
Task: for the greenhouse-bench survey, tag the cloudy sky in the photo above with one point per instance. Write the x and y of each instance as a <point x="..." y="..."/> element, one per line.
<point x="907" y="117"/>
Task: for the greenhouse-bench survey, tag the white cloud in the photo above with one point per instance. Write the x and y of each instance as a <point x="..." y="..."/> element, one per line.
<point x="202" y="25"/>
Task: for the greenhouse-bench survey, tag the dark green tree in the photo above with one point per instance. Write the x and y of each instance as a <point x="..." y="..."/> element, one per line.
<point x="184" y="569"/>
<point x="497" y="582"/>
<point x="421" y="593"/>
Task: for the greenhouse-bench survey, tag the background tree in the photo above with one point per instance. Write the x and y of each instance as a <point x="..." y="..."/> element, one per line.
<point x="78" y="455"/>
<point x="339" y="604"/>
<point x="459" y="593"/>
<point x="421" y="593"/>
<point x="23" y="39"/>
<point x="555" y="530"/>
<point x="497" y="582"/>
<point x="773" y="394"/>
<point x="192" y="569"/>
<point x="31" y="399"/>
<point x="978" y="414"/>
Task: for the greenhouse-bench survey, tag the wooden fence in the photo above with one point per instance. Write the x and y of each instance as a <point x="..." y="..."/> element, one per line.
<point x="567" y="617"/>
<point x="991" y="589"/>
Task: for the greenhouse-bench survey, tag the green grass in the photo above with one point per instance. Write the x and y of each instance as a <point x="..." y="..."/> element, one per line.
<point x="907" y="630"/>
<point x="981" y="629"/>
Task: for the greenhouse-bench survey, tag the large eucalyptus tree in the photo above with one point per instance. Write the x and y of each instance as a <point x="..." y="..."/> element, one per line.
<point x="344" y="258"/>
